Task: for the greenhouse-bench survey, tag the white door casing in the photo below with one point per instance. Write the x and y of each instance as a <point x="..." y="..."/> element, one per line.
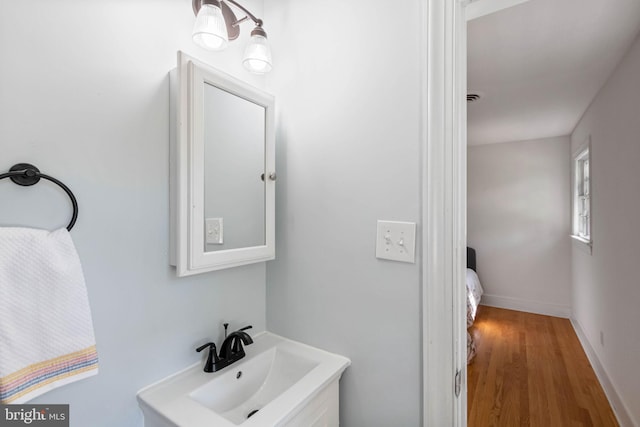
<point x="443" y="136"/>
<point x="444" y="203"/>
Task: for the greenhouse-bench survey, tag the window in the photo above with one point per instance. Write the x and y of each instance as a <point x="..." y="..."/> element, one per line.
<point x="582" y="197"/>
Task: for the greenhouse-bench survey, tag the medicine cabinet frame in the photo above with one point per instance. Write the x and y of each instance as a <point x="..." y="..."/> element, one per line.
<point x="187" y="247"/>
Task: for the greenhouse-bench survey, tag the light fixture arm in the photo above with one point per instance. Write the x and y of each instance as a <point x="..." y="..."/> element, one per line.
<point x="257" y="21"/>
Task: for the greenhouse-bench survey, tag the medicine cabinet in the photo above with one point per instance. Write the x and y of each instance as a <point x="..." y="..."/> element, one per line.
<point x="222" y="170"/>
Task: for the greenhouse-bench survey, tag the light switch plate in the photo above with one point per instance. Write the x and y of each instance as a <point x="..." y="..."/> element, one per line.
<point x="396" y="240"/>
<point x="214" y="231"/>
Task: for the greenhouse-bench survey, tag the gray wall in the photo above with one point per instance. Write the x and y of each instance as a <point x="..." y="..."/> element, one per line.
<point x="84" y="96"/>
<point x="605" y="283"/>
<point x="348" y="154"/>
<point x="518" y="221"/>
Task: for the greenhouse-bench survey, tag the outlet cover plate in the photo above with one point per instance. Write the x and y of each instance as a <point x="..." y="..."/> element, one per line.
<point x="396" y="241"/>
<point x="214" y="231"/>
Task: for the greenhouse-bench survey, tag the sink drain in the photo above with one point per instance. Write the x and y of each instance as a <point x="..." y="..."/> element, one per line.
<point x="252" y="413"/>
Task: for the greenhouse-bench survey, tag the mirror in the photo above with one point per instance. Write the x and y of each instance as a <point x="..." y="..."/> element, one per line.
<point x="233" y="167"/>
<point x="222" y="170"/>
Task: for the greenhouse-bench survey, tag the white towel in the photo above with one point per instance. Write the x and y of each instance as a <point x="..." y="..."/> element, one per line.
<point x="46" y="332"/>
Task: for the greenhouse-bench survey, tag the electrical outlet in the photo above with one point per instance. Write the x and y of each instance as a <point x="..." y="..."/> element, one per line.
<point x="214" y="231"/>
<point x="396" y="241"/>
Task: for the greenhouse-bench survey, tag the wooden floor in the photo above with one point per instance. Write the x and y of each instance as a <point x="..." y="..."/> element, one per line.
<point x="530" y="370"/>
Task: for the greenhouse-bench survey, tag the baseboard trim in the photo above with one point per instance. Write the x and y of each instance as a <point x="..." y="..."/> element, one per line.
<point x="619" y="409"/>
<point x="536" y="307"/>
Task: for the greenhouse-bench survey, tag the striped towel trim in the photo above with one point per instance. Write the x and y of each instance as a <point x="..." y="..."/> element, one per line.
<point x="33" y="377"/>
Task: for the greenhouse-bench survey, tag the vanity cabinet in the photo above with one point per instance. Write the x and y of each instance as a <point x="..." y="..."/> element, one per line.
<point x="322" y="411"/>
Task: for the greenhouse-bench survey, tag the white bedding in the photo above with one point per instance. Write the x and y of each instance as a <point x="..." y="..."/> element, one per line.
<point x="474" y="294"/>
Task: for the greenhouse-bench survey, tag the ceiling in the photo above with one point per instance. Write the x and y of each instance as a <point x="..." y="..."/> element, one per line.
<point x="538" y="65"/>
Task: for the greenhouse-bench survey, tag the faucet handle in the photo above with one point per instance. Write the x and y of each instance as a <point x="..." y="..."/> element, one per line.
<point x="207" y="345"/>
<point x="211" y="358"/>
<point x="245" y="328"/>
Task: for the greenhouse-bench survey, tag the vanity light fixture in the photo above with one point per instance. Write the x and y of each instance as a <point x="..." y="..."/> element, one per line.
<point x="216" y="24"/>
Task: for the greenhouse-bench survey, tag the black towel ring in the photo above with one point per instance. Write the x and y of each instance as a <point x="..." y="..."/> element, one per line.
<point x="26" y="175"/>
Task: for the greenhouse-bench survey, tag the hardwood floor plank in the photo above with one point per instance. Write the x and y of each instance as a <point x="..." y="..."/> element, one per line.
<point x="523" y="381"/>
<point x="530" y="370"/>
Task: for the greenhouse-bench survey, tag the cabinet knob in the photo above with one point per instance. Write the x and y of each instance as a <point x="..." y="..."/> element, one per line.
<point x="273" y="176"/>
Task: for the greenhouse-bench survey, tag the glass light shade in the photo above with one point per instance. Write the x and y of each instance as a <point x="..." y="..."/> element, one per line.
<point x="210" y="30"/>
<point x="257" y="55"/>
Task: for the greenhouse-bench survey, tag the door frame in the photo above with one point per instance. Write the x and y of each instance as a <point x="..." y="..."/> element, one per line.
<point x="443" y="211"/>
<point x="443" y="140"/>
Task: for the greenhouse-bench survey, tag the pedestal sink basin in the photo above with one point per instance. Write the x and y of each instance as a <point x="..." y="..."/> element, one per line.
<point x="279" y="383"/>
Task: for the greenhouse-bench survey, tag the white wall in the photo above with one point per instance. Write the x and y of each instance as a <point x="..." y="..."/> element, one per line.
<point x="84" y="96"/>
<point x="605" y="283"/>
<point x="519" y="223"/>
<point x="347" y="155"/>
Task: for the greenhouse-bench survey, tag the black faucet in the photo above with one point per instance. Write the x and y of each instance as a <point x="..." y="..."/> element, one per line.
<point x="231" y="349"/>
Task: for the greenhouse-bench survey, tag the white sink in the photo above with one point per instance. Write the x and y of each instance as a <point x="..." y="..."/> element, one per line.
<point x="250" y="386"/>
<point x="276" y="379"/>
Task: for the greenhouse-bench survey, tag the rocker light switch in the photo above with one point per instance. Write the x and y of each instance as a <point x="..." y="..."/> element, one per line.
<point x="213" y="231"/>
<point x="396" y="241"/>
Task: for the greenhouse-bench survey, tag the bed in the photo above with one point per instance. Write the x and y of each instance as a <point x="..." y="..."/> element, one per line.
<point x="474" y="294"/>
